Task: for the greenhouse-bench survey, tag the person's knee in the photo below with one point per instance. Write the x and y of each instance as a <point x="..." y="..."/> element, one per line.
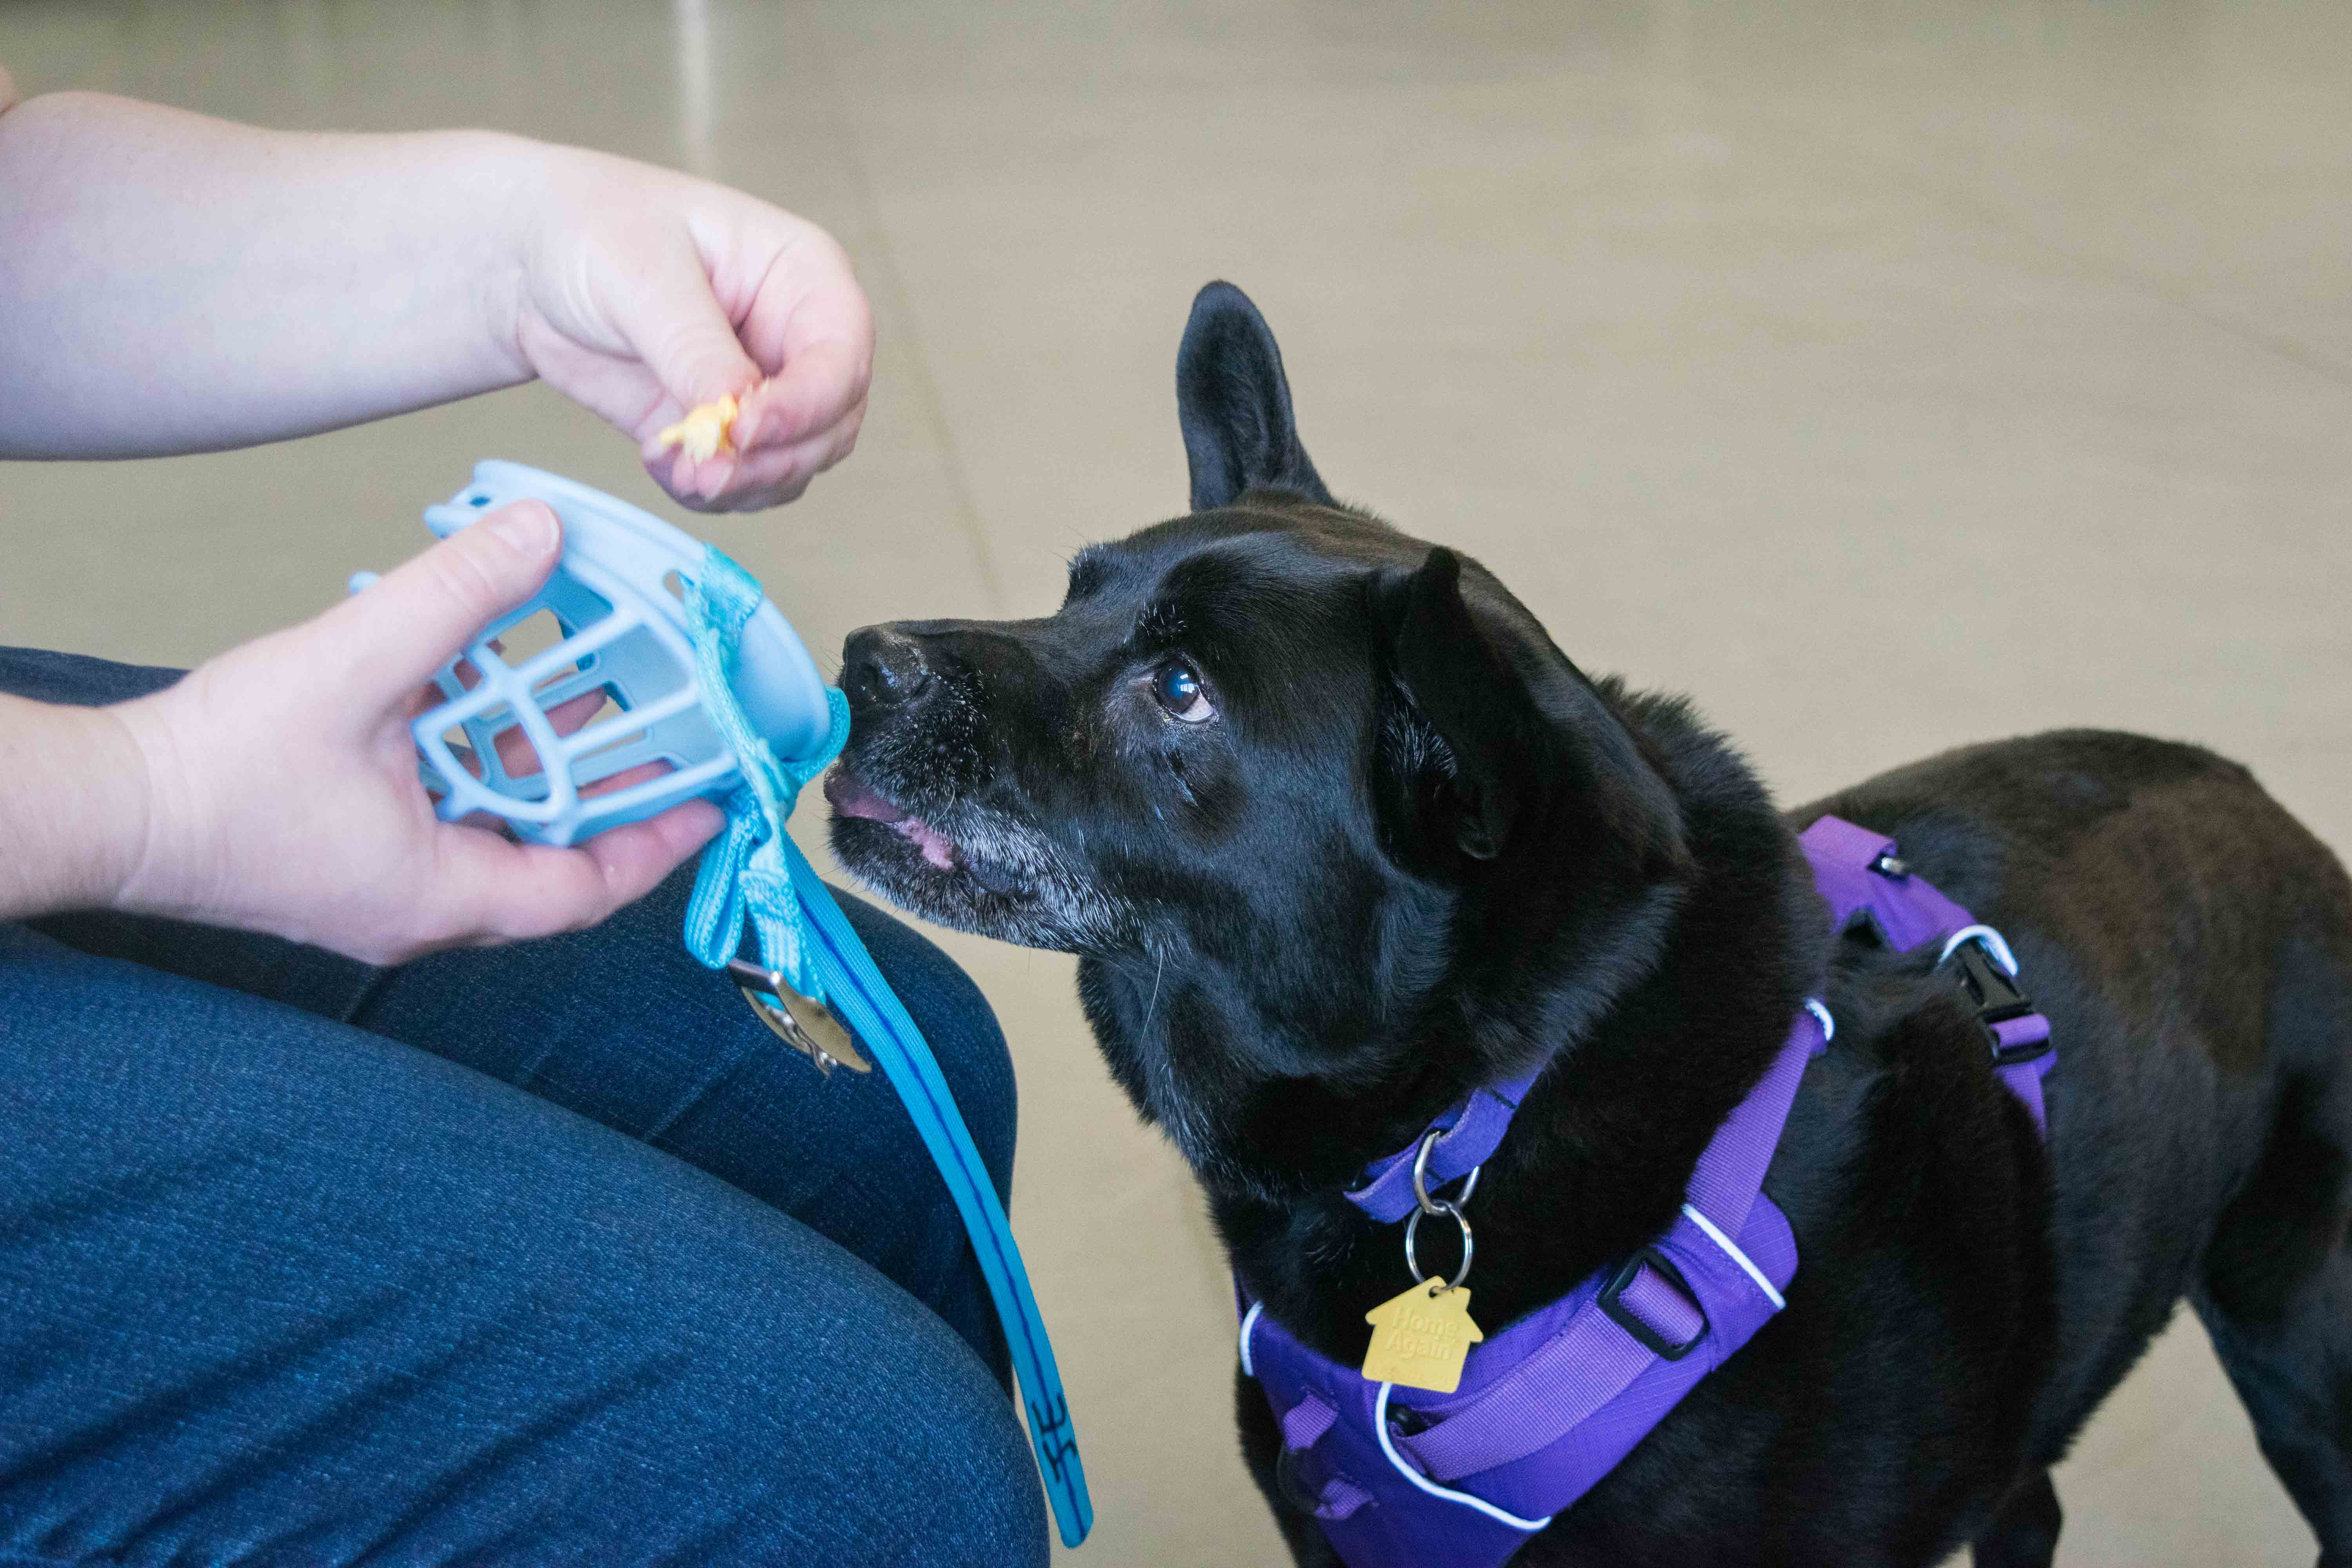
<point x="869" y="1436"/>
<point x="981" y="1489"/>
<point x="589" y="1343"/>
<point x="958" y="1485"/>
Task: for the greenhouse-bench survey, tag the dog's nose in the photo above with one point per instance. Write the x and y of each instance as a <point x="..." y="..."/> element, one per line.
<point x="883" y="668"/>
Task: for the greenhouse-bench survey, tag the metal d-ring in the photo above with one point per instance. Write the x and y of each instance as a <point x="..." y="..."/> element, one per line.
<point x="1428" y="1206"/>
<point x="1421" y="1180"/>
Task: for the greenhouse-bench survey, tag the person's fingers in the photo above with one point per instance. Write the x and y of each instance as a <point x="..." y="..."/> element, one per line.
<point x="818" y="388"/>
<point x="516" y="753"/>
<point x="749" y="481"/>
<point x="567" y="717"/>
<point x="634" y="859"/>
<point x="808" y="326"/>
<point x="806" y="304"/>
<point x="504" y="892"/>
<point x="687" y="480"/>
<point x="612" y="783"/>
<point x="669" y="315"/>
<point x="394" y="636"/>
<point x="771" y="477"/>
<point x="518" y="758"/>
<point x="772" y="463"/>
<point x="615" y="386"/>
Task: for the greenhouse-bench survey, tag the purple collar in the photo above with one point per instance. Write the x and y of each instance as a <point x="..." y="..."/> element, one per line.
<point x="1549" y="1404"/>
<point x="1465" y="1136"/>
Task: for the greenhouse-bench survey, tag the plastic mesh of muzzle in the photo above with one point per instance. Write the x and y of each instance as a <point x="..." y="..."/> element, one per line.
<point x="618" y="642"/>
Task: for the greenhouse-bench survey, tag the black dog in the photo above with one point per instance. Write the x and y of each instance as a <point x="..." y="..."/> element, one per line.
<point x="1338" y="833"/>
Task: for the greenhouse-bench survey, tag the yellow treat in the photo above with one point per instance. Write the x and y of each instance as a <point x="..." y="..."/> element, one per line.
<point x="704" y="432"/>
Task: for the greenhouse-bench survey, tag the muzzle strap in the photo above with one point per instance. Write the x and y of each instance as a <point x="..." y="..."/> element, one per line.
<point x="745" y="870"/>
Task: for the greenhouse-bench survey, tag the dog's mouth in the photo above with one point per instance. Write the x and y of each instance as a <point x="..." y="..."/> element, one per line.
<point x="986" y="870"/>
<point x="852" y="796"/>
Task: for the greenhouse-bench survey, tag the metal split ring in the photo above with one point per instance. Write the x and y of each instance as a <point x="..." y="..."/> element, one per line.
<point x="1412" y="1224"/>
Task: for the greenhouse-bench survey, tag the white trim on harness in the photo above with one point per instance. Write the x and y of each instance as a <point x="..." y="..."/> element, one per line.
<point x="1992" y="941"/>
<point x="1248" y="1323"/>
<point x="1381" y="1426"/>
<point x="1733" y="1252"/>
<point x="1828" y="1025"/>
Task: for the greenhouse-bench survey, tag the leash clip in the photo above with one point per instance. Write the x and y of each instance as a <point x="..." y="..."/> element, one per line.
<point x="802" y="1022"/>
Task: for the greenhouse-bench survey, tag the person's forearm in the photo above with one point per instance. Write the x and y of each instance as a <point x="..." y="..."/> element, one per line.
<point x="173" y="283"/>
<point x="73" y="806"/>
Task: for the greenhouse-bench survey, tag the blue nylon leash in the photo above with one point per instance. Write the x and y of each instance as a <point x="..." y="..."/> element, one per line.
<point x="754" y="868"/>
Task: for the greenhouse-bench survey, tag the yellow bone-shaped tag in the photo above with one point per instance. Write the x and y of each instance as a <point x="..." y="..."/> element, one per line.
<point x="1421" y="1338"/>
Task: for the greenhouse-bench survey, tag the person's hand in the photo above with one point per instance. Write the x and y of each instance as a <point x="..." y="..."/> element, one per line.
<point x="282" y="793"/>
<point x="646" y="292"/>
<point x="356" y="275"/>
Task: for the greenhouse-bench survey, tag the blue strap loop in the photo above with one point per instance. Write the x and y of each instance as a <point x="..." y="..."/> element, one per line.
<point x="754" y="868"/>
<point x="744" y="870"/>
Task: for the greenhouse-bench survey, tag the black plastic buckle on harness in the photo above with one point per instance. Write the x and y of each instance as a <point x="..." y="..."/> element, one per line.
<point x="1993" y="992"/>
<point x="1625" y="1318"/>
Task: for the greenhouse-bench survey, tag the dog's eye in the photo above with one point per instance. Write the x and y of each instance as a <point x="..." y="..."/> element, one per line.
<point x="1178" y="688"/>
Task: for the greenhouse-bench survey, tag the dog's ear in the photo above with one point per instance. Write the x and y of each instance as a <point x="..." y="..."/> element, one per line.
<point x="1494" y="738"/>
<point x="1233" y="403"/>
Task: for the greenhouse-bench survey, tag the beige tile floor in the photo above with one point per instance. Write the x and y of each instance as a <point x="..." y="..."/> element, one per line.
<point x="1887" y="375"/>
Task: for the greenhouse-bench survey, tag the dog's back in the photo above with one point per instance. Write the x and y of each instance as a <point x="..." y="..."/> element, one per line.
<point x="2191" y="944"/>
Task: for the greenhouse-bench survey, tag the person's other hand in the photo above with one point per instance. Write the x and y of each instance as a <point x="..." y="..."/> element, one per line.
<point x="282" y="792"/>
<point x="646" y="292"/>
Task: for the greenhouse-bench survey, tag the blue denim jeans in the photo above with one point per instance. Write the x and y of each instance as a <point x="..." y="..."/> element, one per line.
<point x="540" y="1254"/>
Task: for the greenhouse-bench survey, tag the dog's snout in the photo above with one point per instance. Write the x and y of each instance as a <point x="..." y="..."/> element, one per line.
<point x="883" y="668"/>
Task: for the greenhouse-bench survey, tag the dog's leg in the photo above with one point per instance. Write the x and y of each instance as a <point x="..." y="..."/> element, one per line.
<point x="2276" y="1292"/>
<point x="2295" y="1376"/>
<point x="2024" y="1534"/>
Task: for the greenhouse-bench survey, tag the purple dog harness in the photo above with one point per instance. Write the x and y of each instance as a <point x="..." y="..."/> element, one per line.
<point x="1548" y="1404"/>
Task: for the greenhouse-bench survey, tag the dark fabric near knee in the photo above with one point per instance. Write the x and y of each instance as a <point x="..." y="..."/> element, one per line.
<point x="622" y="1025"/>
<point x="77" y="681"/>
<point x="286" y="1292"/>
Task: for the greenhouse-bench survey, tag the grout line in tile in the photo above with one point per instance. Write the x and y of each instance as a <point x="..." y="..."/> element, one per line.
<point x="1987" y="213"/>
<point x="888" y="278"/>
<point x="2113" y="271"/>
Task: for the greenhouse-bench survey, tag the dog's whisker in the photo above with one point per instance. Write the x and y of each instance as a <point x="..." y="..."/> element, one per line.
<point x="1149" y="1007"/>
